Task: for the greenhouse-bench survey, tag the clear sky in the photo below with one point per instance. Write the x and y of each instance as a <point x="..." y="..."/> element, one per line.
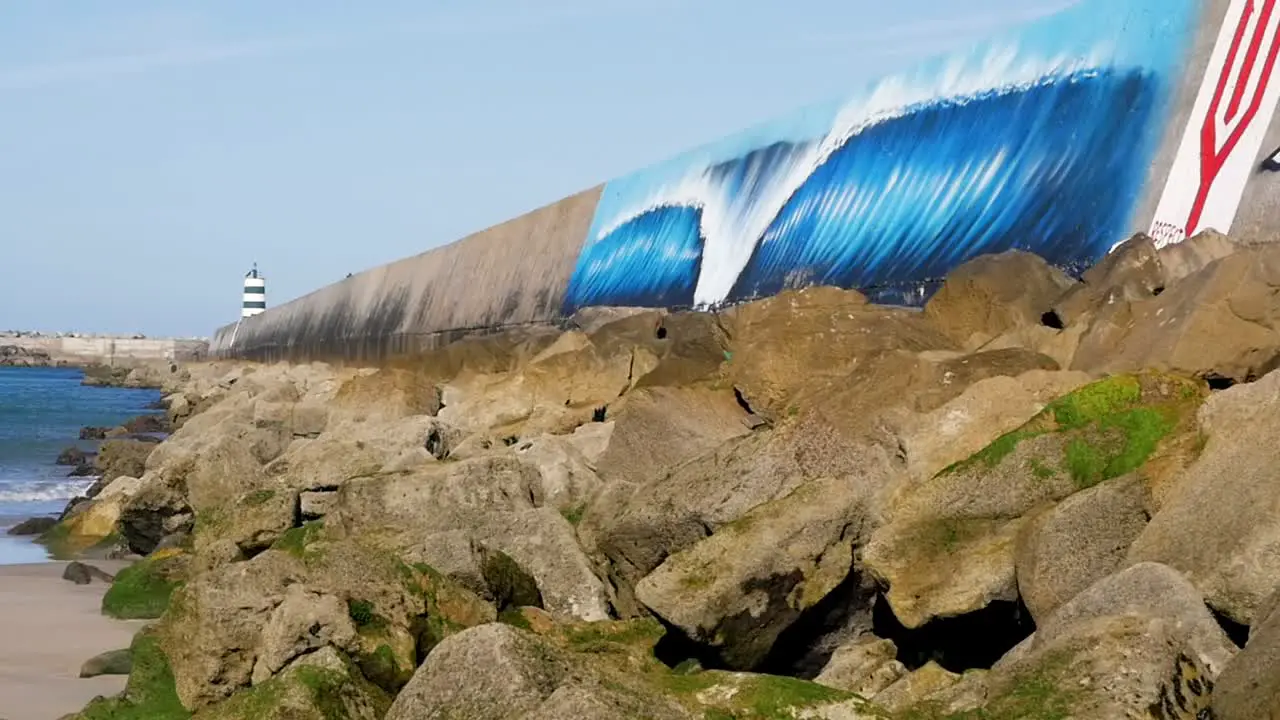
<point x="151" y="151"/>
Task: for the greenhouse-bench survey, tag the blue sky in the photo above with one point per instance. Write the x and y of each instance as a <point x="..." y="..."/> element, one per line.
<point x="151" y="151"/>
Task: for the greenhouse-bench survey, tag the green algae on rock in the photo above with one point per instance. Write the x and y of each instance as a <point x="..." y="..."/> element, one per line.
<point x="321" y="686"/>
<point x="976" y="508"/>
<point x="150" y="693"/>
<point x="142" y="590"/>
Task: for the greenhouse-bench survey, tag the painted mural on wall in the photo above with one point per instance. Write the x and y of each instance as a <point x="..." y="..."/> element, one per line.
<point x="1229" y="121"/>
<point x="1039" y="140"/>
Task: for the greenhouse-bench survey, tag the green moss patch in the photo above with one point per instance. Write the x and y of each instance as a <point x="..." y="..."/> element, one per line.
<point x="1110" y="427"/>
<point x="751" y="697"/>
<point x="635" y="636"/>
<point x="574" y="514"/>
<point x="382" y="669"/>
<point x="297" y="541"/>
<point x="258" y="497"/>
<point x="303" y="693"/>
<point x="1041" y="694"/>
<point x="364" y="615"/>
<point x="142" y="591"/>
<point x="150" y="694"/>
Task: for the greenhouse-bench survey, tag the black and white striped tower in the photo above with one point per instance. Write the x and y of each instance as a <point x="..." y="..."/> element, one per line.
<point x="255" y="294"/>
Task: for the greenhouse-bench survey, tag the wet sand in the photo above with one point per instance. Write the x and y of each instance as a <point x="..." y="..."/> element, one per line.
<point x="48" y="628"/>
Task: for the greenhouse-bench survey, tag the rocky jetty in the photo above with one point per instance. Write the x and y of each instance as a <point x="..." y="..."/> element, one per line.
<point x="1041" y="497"/>
<point x="19" y="356"/>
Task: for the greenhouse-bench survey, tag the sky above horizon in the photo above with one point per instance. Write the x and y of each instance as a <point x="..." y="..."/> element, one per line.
<point x="151" y="152"/>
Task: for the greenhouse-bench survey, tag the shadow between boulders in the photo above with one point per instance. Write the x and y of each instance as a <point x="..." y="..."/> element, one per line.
<point x="805" y="648"/>
<point x="974" y="641"/>
<point x="1237" y="633"/>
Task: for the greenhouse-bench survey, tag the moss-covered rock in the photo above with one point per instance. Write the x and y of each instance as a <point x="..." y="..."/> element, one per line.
<point x="599" y="670"/>
<point x="321" y="686"/>
<point x="150" y="693"/>
<point x="976" y="508"/>
<point x="242" y="623"/>
<point x="142" y="590"/>
<point x="253" y="521"/>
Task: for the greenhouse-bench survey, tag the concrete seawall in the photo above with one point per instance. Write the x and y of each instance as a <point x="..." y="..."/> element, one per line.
<point x="106" y="350"/>
<point x="512" y="274"/>
<point x="1063" y="137"/>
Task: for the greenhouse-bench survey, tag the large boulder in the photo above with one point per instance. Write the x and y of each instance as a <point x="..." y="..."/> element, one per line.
<point x="320" y="686"/>
<point x="555" y="390"/>
<point x="855" y="428"/>
<point x="975" y="510"/>
<point x="786" y="344"/>
<point x="253" y="521"/>
<point x="122" y="458"/>
<point x="1179" y="260"/>
<point x="637" y="525"/>
<point x="865" y="667"/>
<point x="445" y="515"/>
<point x="1223" y="320"/>
<point x="350" y="449"/>
<point x="238" y="624"/>
<point x="1130" y="272"/>
<point x="154" y="511"/>
<point x="993" y="294"/>
<point x="987" y="409"/>
<point x="1085" y="538"/>
<point x="493" y="671"/>
<point x="739" y="589"/>
<point x="597" y="671"/>
<point x="659" y="428"/>
<point x="1249" y="687"/>
<point x="1136" y="644"/>
<point x="1219" y="523"/>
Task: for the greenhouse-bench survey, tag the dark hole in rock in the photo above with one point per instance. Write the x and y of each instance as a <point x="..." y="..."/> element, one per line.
<point x="805" y="648"/>
<point x="510" y="440"/>
<point x="676" y="648"/>
<point x="599" y="413"/>
<point x="1051" y="319"/>
<point x="435" y="444"/>
<point x="1237" y="632"/>
<point x="742" y="401"/>
<point x="662" y="332"/>
<point x="1156" y="292"/>
<point x="1219" y="382"/>
<point x="509" y="584"/>
<point x="972" y="641"/>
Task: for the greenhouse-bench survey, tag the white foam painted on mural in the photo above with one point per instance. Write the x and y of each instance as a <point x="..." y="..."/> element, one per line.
<point x="731" y="225"/>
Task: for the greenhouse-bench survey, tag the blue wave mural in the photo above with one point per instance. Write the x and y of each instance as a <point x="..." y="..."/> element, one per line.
<point x="1039" y="140"/>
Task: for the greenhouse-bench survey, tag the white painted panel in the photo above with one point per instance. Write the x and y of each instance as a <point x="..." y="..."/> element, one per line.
<point x="1223" y="138"/>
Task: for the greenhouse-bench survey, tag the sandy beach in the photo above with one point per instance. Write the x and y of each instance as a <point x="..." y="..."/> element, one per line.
<point x="48" y="628"/>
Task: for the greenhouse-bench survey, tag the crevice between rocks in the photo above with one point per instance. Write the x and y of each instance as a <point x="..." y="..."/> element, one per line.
<point x="1219" y="382"/>
<point x="845" y="614"/>
<point x="974" y="641"/>
<point x="1237" y="632"/>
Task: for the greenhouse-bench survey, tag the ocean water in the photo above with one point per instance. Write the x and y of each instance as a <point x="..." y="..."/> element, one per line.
<point x="41" y="413"/>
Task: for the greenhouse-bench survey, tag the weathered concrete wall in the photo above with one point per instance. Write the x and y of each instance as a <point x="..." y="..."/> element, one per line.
<point x="1063" y="137"/>
<point x="112" y="350"/>
<point x="508" y="275"/>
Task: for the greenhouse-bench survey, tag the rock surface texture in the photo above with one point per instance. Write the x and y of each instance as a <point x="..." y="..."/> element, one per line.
<point x="1040" y="498"/>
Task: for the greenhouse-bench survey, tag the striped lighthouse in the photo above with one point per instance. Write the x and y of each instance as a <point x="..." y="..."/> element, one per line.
<point x="255" y="294"/>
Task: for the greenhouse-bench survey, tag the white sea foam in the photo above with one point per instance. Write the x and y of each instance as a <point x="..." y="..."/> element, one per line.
<point x="732" y="224"/>
<point x="44" y="491"/>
